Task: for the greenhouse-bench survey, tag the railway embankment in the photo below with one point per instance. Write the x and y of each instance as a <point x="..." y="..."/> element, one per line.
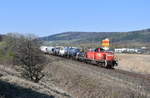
<point x="85" y="80"/>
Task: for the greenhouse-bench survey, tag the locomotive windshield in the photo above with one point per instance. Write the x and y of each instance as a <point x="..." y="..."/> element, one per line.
<point x="99" y="50"/>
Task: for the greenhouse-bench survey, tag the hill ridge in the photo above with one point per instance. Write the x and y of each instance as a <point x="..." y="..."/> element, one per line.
<point x="140" y="36"/>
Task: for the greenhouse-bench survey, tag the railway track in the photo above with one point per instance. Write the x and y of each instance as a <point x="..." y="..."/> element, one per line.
<point x="135" y="80"/>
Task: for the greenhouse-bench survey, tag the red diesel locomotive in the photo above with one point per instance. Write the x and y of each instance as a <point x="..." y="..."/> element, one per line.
<point x="102" y="57"/>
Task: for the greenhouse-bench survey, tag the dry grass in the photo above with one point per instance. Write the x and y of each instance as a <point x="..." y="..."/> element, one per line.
<point x="81" y="82"/>
<point x="134" y="62"/>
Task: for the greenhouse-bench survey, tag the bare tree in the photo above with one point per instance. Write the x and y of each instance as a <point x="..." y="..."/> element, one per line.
<point x="28" y="56"/>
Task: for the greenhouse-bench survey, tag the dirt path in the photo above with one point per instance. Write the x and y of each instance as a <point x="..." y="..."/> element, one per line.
<point x="85" y="81"/>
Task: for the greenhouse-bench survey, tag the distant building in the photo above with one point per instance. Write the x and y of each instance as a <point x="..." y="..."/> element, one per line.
<point x="128" y="50"/>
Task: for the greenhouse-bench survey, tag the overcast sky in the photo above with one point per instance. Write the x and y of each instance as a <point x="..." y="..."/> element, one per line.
<point x="46" y="17"/>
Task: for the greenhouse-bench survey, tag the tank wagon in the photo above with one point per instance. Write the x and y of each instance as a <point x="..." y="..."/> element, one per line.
<point x="63" y="51"/>
<point x="72" y="52"/>
<point x="50" y="50"/>
<point x="44" y="49"/>
<point x="56" y="50"/>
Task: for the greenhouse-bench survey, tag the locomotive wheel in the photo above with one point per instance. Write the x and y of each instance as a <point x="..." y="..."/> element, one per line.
<point x="108" y="64"/>
<point x="105" y="63"/>
<point x="100" y="64"/>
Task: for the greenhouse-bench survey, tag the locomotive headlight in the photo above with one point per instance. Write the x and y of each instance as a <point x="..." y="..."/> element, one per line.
<point x="99" y="54"/>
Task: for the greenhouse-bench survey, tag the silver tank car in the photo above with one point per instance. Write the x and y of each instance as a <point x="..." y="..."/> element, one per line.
<point x="43" y="49"/>
<point x="50" y="50"/>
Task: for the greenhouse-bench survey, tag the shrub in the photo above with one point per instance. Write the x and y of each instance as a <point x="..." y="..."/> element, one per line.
<point x="27" y="55"/>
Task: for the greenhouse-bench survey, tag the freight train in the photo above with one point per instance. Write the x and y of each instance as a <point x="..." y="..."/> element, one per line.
<point x="98" y="56"/>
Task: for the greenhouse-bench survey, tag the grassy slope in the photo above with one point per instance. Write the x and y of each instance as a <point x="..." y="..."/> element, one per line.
<point x="13" y="86"/>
